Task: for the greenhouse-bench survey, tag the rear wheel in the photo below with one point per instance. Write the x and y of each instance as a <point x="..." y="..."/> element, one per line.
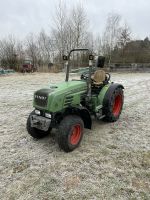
<point x="113" y="108"/>
<point x="70" y="132"/>
<point x="34" y="132"/>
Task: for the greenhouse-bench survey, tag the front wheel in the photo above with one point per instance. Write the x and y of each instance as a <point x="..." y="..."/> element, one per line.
<point x="70" y="132"/>
<point x="34" y="132"/>
<point x="112" y="109"/>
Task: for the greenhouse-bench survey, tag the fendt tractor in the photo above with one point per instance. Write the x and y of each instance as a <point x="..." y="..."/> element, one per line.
<point x="69" y="105"/>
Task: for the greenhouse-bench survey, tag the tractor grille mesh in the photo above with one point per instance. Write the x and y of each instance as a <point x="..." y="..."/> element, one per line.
<point x="41" y="102"/>
<point x="68" y="100"/>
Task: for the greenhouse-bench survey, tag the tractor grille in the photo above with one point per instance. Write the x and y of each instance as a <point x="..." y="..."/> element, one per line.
<point x="41" y="97"/>
<point x="41" y="100"/>
<point x="68" y="100"/>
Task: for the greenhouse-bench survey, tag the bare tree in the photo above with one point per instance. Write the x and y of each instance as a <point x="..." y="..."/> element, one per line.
<point x="32" y="50"/>
<point x="45" y="47"/>
<point x="20" y="50"/>
<point x="8" y="52"/>
<point x="125" y="35"/>
<point x="124" y="38"/>
<point x="98" y="45"/>
<point x="58" y="31"/>
<point x="70" y="29"/>
<point x="111" y="34"/>
<point x="79" y="25"/>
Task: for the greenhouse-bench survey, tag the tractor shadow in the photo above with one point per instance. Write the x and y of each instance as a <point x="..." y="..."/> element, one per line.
<point x="49" y="144"/>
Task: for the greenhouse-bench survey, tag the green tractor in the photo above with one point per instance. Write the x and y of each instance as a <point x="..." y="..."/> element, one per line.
<point x="69" y="105"/>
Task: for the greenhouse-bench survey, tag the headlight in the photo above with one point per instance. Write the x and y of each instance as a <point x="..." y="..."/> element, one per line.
<point x="37" y="112"/>
<point x="48" y="115"/>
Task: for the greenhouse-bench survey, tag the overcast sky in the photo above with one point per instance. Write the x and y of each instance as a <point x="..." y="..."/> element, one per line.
<point x="20" y="17"/>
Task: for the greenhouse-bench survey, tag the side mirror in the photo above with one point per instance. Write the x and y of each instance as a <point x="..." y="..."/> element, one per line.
<point x="91" y="57"/>
<point x="65" y="57"/>
<point x="100" y="62"/>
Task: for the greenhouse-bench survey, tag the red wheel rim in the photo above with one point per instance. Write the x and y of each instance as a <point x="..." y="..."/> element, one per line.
<point x="75" y="135"/>
<point x="117" y="105"/>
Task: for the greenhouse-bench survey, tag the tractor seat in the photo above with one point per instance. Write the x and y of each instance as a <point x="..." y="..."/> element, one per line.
<point x="98" y="77"/>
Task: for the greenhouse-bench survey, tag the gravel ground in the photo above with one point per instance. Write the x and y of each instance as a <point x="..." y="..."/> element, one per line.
<point x="112" y="162"/>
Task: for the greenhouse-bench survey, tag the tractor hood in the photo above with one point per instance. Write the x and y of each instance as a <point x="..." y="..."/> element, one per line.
<point x="58" y="96"/>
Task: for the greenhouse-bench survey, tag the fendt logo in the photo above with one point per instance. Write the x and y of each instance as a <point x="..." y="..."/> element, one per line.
<point x="40" y="97"/>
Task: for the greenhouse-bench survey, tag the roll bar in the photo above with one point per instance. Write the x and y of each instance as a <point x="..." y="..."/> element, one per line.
<point x="91" y="58"/>
<point x="67" y="58"/>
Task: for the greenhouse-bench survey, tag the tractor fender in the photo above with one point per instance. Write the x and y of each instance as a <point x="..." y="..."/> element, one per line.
<point x="86" y="117"/>
<point x="83" y="113"/>
<point x="109" y="93"/>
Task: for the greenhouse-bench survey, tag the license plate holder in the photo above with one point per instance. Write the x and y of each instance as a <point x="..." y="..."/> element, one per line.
<point x="40" y="122"/>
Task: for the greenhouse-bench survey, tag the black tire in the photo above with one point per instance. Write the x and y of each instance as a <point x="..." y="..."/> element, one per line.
<point x="70" y="132"/>
<point x="113" y="108"/>
<point x="34" y="132"/>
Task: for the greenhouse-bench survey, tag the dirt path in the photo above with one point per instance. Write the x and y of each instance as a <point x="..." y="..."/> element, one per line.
<point x="112" y="162"/>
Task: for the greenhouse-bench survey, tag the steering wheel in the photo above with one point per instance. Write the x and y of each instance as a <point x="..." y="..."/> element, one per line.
<point x="84" y="76"/>
<point x="108" y="76"/>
